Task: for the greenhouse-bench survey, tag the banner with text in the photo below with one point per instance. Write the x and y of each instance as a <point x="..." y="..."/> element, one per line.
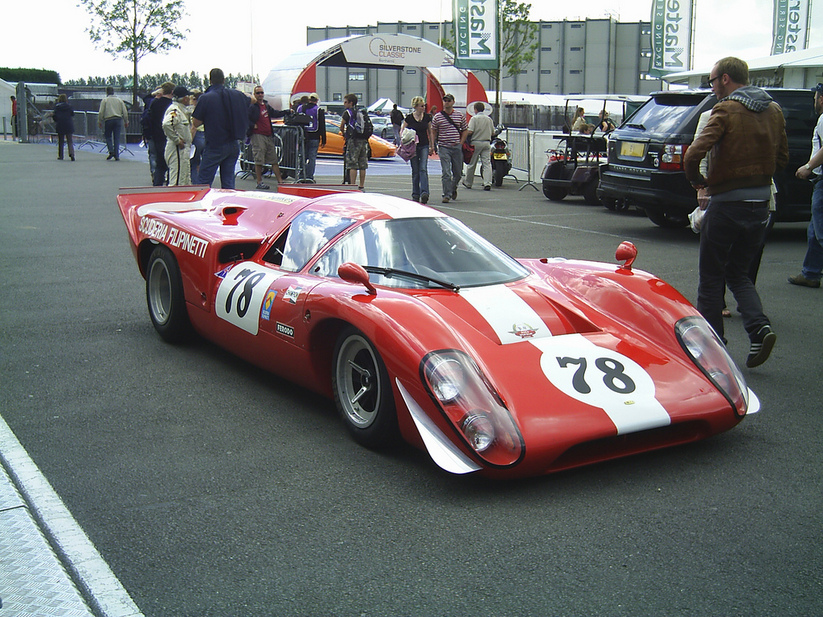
<point x="791" y="26"/>
<point x="671" y="36"/>
<point x="475" y="31"/>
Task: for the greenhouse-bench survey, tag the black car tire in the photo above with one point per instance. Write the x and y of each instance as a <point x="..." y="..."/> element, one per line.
<point x="667" y="219"/>
<point x="554" y="193"/>
<point x="165" y="298"/>
<point x="590" y="192"/>
<point x="362" y="391"/>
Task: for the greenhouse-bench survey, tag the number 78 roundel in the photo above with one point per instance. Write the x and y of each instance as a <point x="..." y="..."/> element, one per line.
<point x="241" y="294"/>
<point x="604" y="378"/>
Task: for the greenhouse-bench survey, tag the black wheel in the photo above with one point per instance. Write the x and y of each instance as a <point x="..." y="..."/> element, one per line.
<point x="499" y="174"/>
<point x="590" y="192"/>
<point x="554" y="193"/>
<point x="362" y="391"/>
<point x="164" y="296"/>
<point x="667" y="218"/>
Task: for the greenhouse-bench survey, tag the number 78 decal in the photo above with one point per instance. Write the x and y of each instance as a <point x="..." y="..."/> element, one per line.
<point x="241" y="294"/>
<point x="602" y="378"/>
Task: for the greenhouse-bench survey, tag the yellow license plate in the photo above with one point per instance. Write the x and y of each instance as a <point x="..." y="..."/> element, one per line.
<point x="632" y="149"/>
<point x="500" y="155"/>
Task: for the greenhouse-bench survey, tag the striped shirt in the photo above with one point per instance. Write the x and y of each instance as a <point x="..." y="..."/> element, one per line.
<point x="447" y="134"/>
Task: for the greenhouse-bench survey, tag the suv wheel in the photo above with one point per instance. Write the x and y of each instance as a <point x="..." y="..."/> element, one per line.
<point x="667" y="219"/>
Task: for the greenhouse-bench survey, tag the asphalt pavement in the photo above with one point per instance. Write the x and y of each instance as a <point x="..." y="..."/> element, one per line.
<point x="140" y="478"/>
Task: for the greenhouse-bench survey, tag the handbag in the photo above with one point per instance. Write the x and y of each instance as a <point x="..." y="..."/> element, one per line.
<point x="408" y="149"/>
<point x="468" y="153"/>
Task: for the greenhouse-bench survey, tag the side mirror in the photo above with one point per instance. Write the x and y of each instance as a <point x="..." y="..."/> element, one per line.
<point x="354" y="273"/>
<point x="627" y="253"/>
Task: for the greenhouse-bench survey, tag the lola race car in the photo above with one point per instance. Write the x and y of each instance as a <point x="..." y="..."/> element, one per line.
<point x="419" y="328"/>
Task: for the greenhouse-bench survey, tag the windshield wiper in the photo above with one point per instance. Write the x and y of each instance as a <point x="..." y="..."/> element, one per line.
<point x="389" y="272"/>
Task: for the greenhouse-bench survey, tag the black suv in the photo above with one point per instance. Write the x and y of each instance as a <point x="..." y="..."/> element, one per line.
<point x="645" y="164"/>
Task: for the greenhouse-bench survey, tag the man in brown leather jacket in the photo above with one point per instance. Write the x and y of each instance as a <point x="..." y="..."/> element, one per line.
<point x="746" y="135"/>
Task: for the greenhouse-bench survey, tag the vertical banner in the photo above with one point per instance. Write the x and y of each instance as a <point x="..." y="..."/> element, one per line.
<point x="476" y="36"/>
<point x="791" y="21"/>
<point x="671" y="36"/>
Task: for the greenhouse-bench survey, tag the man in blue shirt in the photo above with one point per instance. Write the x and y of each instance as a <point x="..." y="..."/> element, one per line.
<point x="224" y="114"/>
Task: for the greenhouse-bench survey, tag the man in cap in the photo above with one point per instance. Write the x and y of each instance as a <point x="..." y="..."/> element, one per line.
<point x="813" y="170"/>
<point x="177" y="128"/>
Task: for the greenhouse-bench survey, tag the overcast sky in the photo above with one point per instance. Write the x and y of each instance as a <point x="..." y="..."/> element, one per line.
<point x="251" y="36"/>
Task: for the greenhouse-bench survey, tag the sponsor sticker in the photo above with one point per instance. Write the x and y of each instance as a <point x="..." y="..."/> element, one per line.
<point x="271" y="294"/>
<point x="285" y="330"/>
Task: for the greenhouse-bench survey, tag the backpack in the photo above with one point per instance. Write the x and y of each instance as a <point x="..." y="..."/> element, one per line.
<point x="361" y="127"/>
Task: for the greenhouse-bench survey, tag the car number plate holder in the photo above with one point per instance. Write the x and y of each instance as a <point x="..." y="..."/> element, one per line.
<point x="633" y="150"/>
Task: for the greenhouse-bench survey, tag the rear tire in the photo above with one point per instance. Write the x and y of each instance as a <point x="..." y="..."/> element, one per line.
<point x="499" y="174"/>
<point x="590" y="193"/>
<point x="554" y="193"/>
<point x="165" y="298"/>
<point x="668" y="219"/>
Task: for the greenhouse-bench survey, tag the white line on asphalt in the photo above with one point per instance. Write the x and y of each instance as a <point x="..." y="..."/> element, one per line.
<point x="99" y="585"/>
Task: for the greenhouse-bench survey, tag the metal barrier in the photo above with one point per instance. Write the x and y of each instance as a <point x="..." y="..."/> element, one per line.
<point x="520" y="143"/>
<point x="289" y="153"/>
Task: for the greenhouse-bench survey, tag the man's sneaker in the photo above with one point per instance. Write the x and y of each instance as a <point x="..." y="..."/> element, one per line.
<point x="262" y="186"/>
<point x="445" y="200"/>
<point x="454" y="195"/>
<point x="762" y="343"/>
<point x="488" y="187"/>
<point x="804" y="282"/>
<point x="466" y="185"/>
<point x="424" y="198"/>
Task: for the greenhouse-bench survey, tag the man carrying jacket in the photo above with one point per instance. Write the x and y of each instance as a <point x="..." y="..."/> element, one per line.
<point x="746" y="134"/>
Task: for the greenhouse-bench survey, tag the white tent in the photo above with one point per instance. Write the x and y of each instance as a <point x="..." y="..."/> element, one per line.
<point x="381" y="106"/>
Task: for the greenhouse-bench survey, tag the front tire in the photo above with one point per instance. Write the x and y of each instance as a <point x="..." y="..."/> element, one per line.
<point x="165" y="298"/>
<point x="362" y="391"/>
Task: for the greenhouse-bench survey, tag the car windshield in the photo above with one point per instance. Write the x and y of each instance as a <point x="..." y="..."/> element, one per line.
<point x="663" y="114"/>
<point x="440" y="251"/>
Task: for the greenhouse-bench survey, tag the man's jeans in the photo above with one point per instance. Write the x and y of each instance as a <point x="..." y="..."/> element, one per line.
<point x="813" y="262"/>
<point x="420" y="172"/>
<point x="311" y="157"/>
<point x="197" y="145"/>
<point x="112" y="130"/>
<point x="730" y="239"/>
<point x="224" y="157"/>
<point x="451" y="163"/>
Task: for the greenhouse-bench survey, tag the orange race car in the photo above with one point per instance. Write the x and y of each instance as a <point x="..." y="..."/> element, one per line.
<point x="380" y="148"/>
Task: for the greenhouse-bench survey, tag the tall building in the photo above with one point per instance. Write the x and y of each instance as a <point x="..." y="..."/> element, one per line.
<point x="595" y="56"/>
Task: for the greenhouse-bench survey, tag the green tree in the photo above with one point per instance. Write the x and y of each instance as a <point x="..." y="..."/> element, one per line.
<point x="135" y="29"/>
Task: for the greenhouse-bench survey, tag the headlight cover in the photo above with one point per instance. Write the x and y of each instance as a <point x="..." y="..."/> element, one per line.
<point x="704" y="347"/>
<point x="466" y="398"/>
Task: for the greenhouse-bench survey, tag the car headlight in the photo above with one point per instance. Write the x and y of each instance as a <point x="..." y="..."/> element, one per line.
<point x="478" y="415"/>
<point x="704" y="347"/>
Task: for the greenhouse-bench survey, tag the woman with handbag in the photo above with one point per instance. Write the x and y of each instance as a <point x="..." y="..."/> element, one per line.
<point x="419" y="121"/>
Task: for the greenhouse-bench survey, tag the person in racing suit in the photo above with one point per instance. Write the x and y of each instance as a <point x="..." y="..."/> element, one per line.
<point x="177" y="128"/>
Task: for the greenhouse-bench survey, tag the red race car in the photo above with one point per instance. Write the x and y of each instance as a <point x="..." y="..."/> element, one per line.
<point x="421" y="329"/>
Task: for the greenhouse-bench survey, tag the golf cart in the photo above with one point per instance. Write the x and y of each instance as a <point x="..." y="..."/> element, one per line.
<point x="574" y="163"/>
